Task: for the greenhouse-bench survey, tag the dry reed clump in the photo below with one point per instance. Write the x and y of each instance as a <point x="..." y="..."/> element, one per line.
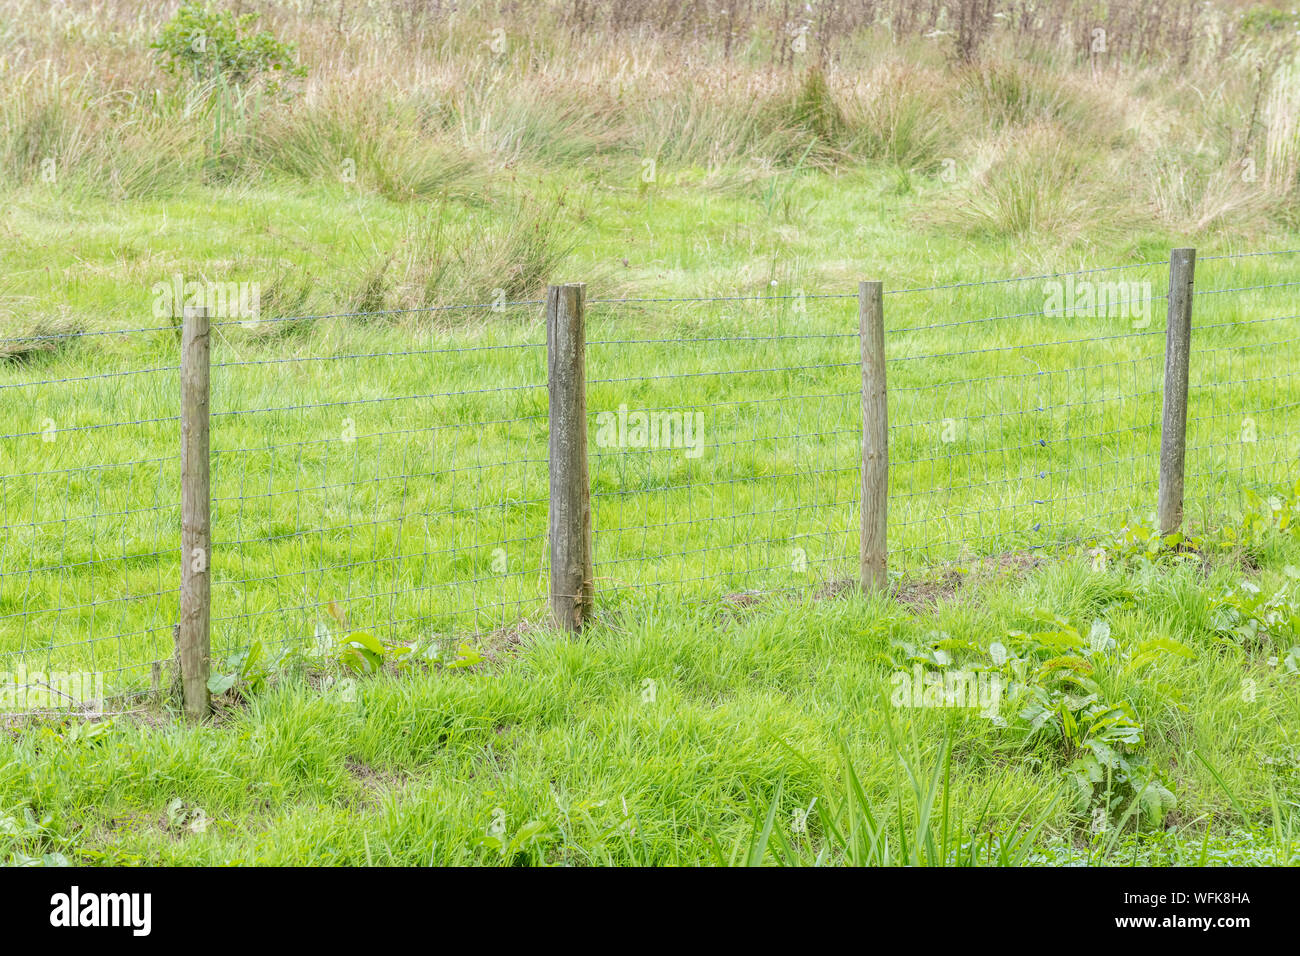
<point x="442" y="260"/>
<point x="1281" y="139"/>
<point x="1031" y="181"/>
<point x="899" y="113"/>
<point x="24" y="339"/>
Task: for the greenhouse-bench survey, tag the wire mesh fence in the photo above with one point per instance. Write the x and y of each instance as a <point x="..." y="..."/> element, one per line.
<point x="398" y="492"/>
<point x="1242" y="398"/>
<point x="1028" y="428"/>
<point x="388" y="473"/>
<point x="727" y="462"/>
<point x="91" y="521"/>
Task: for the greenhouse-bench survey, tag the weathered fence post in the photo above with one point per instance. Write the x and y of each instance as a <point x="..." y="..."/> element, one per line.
<point x="192" y="633"/>
<point x="1173" y="425"/>
<point x="572" y="576"/>
<point x="875" y="437"/>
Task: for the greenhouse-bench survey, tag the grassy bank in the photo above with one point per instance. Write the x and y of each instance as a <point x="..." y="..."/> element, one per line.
<point x="663" y="735"/>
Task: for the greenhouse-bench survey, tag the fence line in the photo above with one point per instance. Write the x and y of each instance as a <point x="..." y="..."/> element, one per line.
<point x="414" y="493"/>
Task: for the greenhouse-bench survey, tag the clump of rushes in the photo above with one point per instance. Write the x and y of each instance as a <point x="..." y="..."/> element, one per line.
<point x="42" y="336"/>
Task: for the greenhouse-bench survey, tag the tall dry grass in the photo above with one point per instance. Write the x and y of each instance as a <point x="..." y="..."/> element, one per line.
<point x="1174" y="105"/>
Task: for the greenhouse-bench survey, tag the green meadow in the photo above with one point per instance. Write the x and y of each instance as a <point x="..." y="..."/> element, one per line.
<point x="1047" y="680"/>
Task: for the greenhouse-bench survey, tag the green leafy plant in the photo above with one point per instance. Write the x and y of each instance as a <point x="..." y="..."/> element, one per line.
<point x="86" y="731"/>
<point x="28" y="840"/>
<point x="937" y="650"/>
<point x="1062" y="704"/>
<point x="363" y="653"/>
<point x="250" y="669"/>
<point x="527" y="845"/>
<point x="359" y="651"/>
<point x="1047" y="682"/>
<point x="1141" y="546"/>
<point x="453" y="655"/>
<point x="207" y="44"/>
<point x="1248" y="617"/>
<point x="1261" y="519"/>
<point x="182" y="817"/>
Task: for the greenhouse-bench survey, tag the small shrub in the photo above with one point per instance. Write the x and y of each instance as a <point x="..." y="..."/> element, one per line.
<point x="1248" y="617"/>
<point x="217" y="45"/>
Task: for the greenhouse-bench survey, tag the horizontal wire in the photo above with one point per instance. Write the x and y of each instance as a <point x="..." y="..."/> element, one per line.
<point x="66" y="429"/>
<point x="370" y="596"/>
<point x="1247" y="288"/>
<point x="1033" y="373"/>
<point x="80" y="333"/>
<point x="104" y="603"/>
<point x="1023" y="347"/>
<point x="90" y="642"/>
<point x="406" y="353"/>
<point x="366" y="436"/>
<point x="84" y="468"/>
<point x="632" y="451"/>
<point x="728" y="338"/>
<point x="91" y="378"/>
<point x="348" y="565"/>
<point x="1048" y="275"/>
<point x="740" y="401"/>
<point x="92" y="516"/>
<point x="358" y="315"/>
<point x="727" y="298"/>
<point x="376" y="523"/>
<point x="739" y="371"/>
<point x="1050" y="313"/>
<point x="375" y="401"/>
<point x="1249" y="255"/>
<point x="659" y="489"/>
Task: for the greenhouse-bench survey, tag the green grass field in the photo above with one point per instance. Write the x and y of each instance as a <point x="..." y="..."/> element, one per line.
<point x="389" y="474"/>
<point x="388" y="689"/>
<point x="662" y="735"/>
<point x="366" y="474"/>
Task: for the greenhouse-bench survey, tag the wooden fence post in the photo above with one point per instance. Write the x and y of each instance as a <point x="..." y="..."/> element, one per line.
<point x="1173" y="425"/>
<point x="572" y="575"/>
<point x="875" y="438"/>
<point x="193" y="631"/>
